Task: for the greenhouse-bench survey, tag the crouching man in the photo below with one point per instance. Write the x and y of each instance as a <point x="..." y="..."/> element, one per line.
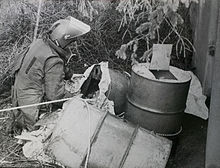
<point x="39" y="71"/>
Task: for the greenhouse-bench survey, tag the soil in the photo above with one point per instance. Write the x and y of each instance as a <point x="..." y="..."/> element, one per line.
<point x="189" y="147"/>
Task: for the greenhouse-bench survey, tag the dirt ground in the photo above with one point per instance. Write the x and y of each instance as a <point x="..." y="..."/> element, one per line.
<point x="190" y="145"/>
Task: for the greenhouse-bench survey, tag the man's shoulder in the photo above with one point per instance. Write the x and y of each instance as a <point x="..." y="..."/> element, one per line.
<point x="42" y="51"/>
<point x="41" y="47"/>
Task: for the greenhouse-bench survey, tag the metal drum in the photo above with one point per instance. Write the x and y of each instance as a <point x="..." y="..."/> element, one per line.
<point x="118" y="90"/>
<point x="105" y="141"/>
<point x="157" y="105"/>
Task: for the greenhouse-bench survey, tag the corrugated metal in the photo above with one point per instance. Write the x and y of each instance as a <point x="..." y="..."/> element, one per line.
<point x="204" y="21"/>
<point x="213" y="135"/>
<point x="207" y="62"/>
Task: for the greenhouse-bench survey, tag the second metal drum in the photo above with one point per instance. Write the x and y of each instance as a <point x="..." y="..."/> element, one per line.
<point x="157" y="105"/>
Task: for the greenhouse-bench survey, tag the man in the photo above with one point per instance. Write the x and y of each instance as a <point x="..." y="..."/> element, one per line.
<point x="39" y="71"/>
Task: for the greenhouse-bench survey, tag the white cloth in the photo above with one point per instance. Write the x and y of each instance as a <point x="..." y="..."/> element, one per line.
<point x="196" y="100"/>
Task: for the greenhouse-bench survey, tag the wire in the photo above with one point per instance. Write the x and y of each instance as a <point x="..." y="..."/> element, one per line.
<point x="37" y="104"/>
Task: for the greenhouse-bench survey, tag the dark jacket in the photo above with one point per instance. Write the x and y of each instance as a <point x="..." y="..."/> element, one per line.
<point x="39" y="74"/>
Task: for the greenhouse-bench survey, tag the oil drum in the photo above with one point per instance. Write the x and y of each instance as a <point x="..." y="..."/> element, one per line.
<point x="157" y="104"/>
<point x="87" y="133"/>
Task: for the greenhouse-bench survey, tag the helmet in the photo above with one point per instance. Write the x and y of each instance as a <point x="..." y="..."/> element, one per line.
<point x="64" y="31"/>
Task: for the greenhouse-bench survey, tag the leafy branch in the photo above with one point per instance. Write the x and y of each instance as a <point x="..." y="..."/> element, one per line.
<point x="149" y="17"/>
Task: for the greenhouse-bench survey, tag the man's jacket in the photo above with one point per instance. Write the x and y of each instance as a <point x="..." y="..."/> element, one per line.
<point x="39" y="74"/>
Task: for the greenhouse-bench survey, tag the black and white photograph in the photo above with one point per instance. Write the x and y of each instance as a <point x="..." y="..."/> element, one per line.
<point x="109" y="84"/>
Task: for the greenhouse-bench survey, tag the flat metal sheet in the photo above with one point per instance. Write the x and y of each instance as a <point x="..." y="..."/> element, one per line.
<point x="161" y="57"/>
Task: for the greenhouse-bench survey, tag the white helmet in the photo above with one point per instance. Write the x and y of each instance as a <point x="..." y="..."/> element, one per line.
<point x="64" y="31"/>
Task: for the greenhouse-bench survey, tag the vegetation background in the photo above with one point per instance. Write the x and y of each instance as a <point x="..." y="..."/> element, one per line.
<point x="113" y="23"/>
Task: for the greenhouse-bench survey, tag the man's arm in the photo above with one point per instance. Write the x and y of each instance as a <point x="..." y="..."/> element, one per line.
<point x="54" y="79"/>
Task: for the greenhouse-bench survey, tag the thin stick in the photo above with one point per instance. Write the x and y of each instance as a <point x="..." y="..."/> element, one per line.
<point x="38" y="18"/>
<point x="37" y="104"/>
<point x="3" y="118"/>
<point x="3" y="159"/>
<point x="5" y="100"/>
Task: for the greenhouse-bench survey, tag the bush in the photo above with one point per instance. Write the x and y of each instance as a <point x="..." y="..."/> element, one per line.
<point x="156" y="22"/>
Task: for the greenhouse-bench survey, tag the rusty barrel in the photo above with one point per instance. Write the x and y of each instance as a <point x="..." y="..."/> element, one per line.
<point x="157" y="104"/>
<point x="86" y="133"/>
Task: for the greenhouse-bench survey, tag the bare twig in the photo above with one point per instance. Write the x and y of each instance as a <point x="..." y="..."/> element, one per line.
<point x="38" y="18"/>
<point x="2" y="161"/>
<point x="189" y="43"/>
<point x="4" y="118"/>
<point x="179" y="36"/>
<point x="168" y="35"/>
<point x="5" y="100"/>
<point x="158" y="35"/>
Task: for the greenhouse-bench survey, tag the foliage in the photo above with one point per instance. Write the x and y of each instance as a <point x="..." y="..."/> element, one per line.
<point x="96" y="46"/>
<point x="132" y="26"/>
<point x="153" y="21"/>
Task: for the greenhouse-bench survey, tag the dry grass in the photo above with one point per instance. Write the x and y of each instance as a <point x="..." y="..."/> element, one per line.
<point x="10" y="151"/>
